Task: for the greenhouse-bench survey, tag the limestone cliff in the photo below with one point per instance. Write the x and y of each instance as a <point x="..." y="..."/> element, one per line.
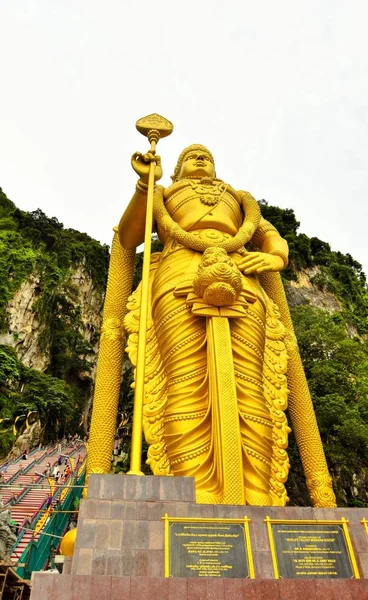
<point x="302" y="292"/>
<point x="24" y="327"/>
<point x="52" y="283"/>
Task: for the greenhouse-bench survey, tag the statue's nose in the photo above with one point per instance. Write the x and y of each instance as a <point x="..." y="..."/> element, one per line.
<point x="200" y="157"/>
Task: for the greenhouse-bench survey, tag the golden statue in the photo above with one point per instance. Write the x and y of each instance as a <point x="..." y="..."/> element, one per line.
<point x="219" y="349"/>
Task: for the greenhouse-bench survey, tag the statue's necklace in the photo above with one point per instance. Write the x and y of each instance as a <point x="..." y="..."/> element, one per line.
<point x="210" y="192"/>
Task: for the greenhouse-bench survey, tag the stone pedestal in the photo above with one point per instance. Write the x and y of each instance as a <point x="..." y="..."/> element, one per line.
<point x="119" y="551"/>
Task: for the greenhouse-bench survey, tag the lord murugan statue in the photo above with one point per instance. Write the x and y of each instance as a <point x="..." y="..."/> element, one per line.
<point x="221" y="358"/>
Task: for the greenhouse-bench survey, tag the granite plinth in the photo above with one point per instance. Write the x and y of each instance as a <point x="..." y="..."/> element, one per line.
<point x="120" y="546"/>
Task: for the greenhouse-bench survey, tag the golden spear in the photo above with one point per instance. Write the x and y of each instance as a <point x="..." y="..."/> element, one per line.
<point x="153" y="127"/>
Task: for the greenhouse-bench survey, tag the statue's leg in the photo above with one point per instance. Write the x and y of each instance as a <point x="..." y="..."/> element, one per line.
<point x="181" y="338"/>
<point x="248" y="340"/>
<point x="182" y="341"/>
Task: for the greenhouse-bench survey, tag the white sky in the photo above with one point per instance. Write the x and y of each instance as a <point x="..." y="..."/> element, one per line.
<point x="276" y="89"/>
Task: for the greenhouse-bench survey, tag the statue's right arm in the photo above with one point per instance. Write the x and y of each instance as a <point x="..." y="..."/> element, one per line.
<point x="132" y="223"/>
<point x="131" y="226"/>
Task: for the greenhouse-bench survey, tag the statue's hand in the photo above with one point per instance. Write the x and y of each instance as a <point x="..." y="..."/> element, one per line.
<point x="260" y="262"/>
<point x="141" y="163"/>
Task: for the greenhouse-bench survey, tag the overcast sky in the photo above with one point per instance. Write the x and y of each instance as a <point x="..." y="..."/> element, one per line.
<point x="277" y="90"/>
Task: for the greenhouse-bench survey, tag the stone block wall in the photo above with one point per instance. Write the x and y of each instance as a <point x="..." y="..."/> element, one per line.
<point x="120" y="530"/>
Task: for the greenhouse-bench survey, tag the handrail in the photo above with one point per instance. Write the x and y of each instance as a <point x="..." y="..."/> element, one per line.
<point x="43" y="455"/>
<point x="25" y="472"/>
<point x="16" y="475"/>
<point x="35" y="449"/>
<point x="9" y="461"/>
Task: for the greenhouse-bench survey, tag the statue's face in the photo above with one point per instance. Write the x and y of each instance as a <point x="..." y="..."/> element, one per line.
<point x="197" y="164"/>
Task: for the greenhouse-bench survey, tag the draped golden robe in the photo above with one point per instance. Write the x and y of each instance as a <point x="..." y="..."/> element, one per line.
<point x="215" y="385"/>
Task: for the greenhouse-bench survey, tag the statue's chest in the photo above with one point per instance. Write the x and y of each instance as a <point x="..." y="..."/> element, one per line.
<point x="198" y="194"/>
<point x="200" y="205"/>
<point x="209" y="194"/>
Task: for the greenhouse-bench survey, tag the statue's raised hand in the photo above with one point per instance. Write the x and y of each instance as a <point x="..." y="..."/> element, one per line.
<point x="141" y="163"/>
<point x="260" y="262"/>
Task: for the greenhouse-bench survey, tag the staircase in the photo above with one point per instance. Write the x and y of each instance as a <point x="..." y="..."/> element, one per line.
<point x="16" y="470"/>
<point x="32" y="500"/>
<point x="33" y="490"/>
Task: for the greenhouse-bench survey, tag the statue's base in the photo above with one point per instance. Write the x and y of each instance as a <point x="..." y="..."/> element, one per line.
<point x="119" y="552"/>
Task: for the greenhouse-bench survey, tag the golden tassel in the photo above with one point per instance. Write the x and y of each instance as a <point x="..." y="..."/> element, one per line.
<point x="301" y="408"/>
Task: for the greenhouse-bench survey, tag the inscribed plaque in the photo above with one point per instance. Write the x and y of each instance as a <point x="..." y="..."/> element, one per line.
<point x="207" y="548"/>
<point x="311" y="550"/>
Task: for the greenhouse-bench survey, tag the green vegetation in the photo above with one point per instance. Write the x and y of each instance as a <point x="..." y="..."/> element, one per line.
<point x="335" y="364"/>
<point x="34" y="245"/>
<point x="31" y="242"/>
<point x="23" y="389"/>
<point x="337" y="273"/>
<point x="336" y="367"/>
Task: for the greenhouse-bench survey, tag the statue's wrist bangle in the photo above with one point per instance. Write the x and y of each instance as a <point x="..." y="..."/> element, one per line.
<point x="141" y="187"/>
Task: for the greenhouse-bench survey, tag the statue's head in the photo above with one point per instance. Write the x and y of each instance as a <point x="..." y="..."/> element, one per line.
<point x="194" y="161"/>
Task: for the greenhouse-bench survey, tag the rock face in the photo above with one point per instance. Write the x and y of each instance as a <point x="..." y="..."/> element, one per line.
<point x="24" y="327"/>
<point x="303" y="292"/>
<point x="91" y="303"/>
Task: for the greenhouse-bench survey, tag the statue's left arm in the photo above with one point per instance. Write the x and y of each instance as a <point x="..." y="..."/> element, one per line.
<point x="274" y="251"/>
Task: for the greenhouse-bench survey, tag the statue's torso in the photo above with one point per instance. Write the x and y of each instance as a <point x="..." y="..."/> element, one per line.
<point x="198" y="204"/>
